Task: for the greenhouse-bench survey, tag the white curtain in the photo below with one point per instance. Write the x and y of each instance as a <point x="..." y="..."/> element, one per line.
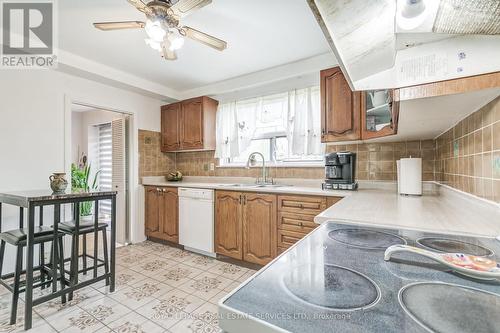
<point x="304" y="131"/>
<point x="235" y="127"/>
<point x="226" y="131"/>
<point x="236" y="124"/>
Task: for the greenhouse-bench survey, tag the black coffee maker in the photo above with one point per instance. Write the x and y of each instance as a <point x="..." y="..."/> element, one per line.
<point x="340" y="171"/>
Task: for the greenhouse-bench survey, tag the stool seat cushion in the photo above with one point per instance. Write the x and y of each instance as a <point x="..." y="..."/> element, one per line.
<point x="86" y="226"/>
<point x="17" y="236"/>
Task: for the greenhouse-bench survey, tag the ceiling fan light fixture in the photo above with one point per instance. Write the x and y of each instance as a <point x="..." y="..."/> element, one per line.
<point x="176" y="41"/>
<point x="155" y="30"/>
<point x="153" y="44"/>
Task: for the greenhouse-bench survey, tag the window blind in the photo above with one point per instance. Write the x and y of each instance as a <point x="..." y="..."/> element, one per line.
<point x="105" y="165"/>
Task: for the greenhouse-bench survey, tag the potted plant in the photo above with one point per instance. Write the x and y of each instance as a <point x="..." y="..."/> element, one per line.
<point x="80" y="181"/>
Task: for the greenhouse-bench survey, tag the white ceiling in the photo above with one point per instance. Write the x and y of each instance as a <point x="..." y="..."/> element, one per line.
<point x="261" y="34"/>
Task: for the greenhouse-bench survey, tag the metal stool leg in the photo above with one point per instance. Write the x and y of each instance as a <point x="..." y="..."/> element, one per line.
<point x="61" y="264"/>
<point x="84" y="255"/>
<point x="105" y="249"/>
<point x="53" y="265"/>
<point x="2" y="253"/>
<point x="15" y="291"/>
<point x="72" y="265"/>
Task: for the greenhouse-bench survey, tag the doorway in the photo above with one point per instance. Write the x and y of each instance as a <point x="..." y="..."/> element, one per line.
<point x="100" y="153"/>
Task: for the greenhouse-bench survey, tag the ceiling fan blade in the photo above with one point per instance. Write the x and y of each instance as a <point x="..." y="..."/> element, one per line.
<point x="167" y="53"/>
<point x="206" y="39"/>
<point x="140" y="6"/>
<point x="185" y="7"/>
<point x="106" y="26"/>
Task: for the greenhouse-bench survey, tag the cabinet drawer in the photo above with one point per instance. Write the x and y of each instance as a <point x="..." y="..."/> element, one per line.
<point x="296" y="222"/>
<point x="281" y="250"/>
<point x="288" y="238"/>
<point x="330" y="201"/>
<point x="301" y="204"/>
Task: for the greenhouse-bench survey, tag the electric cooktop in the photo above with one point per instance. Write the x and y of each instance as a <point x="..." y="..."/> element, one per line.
<point x="336" y="280"/>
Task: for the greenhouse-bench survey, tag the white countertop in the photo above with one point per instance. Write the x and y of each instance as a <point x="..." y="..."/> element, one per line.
<point x="440" y="209"/>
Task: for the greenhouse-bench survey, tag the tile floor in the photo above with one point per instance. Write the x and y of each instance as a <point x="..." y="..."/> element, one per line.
<point x="159" y="289"/>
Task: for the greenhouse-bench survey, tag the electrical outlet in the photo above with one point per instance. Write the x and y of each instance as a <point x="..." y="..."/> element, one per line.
<point x="212" y="166"/>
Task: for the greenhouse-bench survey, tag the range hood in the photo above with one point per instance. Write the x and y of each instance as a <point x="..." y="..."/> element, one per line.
<point x="384" y="44"/>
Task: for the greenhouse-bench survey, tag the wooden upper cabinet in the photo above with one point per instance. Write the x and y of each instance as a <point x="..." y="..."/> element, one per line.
<point x="259" y="228"/>
<point x="152" y="218"/>
<point x="228" y="224"/>
<point x="189" y="125"/>
<point x="169" y="214"/>
<point x="192" y="124"/>
<point x="340" y="108"/>
<point x="170" y="136"/>
<point x="379" y="113"/>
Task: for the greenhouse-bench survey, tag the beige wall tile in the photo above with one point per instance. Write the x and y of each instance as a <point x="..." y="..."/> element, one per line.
<point x="477" y="168"/>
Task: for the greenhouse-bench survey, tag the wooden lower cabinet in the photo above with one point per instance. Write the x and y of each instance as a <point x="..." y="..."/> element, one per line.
<point x="245" y="226"/>
<point x="259" y="228"/>
<point x="162" y="213"/>
<point x="228" y="224"/>
<point x="152" y="205"/>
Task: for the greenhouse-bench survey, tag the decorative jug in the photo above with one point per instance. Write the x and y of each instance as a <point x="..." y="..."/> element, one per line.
<point x="58" y="182"/>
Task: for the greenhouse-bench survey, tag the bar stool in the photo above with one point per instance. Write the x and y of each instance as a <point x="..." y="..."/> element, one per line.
<point x="84" y="228"/>
<point x="18" y="238"/>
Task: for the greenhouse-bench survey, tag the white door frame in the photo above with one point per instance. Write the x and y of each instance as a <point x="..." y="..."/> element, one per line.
<point x="132" y="148"/>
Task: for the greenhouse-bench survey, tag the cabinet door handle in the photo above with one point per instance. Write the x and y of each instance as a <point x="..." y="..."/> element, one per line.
<point x="241" y="198"/>
<point x="301" y="206"/>
<point x="244" y="199"/>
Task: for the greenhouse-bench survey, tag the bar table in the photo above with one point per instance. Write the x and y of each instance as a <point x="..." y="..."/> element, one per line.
<point x="30" y="200"/>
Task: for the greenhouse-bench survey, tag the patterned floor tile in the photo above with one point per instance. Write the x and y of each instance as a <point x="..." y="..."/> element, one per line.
<point x="152" y="267"/>
<point x="82" y="322"/>
<point x="228" y="271"/>
<point x="107" y="310"/>
<point x="201" y="262"/>
<point x="158" y="289"/>
<point x="206" y="285"/>
<point x="215" y="299"/>
<point x="178" y="275"/>
<point x="135" y="323"/>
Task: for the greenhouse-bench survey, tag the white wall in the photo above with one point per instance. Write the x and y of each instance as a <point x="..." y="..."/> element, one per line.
<point x="81" y="134"/>
<point x="33" y="130"/>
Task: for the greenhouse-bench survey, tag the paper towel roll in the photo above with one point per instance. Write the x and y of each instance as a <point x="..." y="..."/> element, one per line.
<point x="410" y="176"/>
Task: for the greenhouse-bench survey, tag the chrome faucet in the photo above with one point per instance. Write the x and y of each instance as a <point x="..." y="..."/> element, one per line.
<point x="264" y="179"/>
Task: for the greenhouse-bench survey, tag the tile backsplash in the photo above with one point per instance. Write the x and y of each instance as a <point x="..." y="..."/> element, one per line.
<point x="468" y="155"/>
<point x="376" y="161"/>
<point x="152" y="162"/>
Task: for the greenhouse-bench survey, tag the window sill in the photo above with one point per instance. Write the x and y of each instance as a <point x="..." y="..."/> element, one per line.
<point x="286" y="165"/>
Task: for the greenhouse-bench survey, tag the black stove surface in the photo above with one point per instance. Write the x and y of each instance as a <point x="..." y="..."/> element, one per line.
<point x="336" y="280"/>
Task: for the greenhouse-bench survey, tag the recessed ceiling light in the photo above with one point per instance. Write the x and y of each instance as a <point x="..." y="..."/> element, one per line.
<point x="411" y="13"/>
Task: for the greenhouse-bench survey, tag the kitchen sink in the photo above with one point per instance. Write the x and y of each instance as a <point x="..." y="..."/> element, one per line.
<point x="238" y="185"/>
<point x="254" y="185"/>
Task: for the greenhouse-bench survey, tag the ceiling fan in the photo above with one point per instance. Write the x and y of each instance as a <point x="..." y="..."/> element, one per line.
<point x="166" y="34"/>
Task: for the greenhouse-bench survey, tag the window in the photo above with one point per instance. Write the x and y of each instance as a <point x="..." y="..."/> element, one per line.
<point x="105" y="155"/>
<point x="284" y="127"/>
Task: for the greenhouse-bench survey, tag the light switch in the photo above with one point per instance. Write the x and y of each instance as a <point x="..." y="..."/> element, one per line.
<point x="212" y="166"/>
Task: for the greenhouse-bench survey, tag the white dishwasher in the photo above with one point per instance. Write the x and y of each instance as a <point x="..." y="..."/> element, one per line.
<point x="196" y="220"/>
